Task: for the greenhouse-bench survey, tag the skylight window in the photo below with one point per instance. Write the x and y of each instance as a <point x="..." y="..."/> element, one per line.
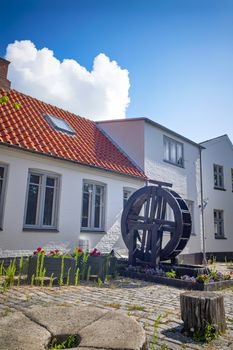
<point x="59" y="124"/>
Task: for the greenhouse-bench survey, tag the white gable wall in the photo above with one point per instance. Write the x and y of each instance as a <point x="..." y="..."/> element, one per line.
<point x="218" y="151"/>
<point x="129" y="135"/>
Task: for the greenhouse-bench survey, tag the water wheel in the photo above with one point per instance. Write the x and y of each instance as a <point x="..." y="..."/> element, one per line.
<point x="152" y="213"/>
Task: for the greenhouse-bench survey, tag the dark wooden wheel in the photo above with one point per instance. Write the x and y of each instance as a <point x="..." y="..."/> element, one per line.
<point x="145" y="221"/>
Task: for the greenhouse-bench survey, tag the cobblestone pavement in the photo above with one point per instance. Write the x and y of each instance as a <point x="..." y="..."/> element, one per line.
<point x="144" y="301"/>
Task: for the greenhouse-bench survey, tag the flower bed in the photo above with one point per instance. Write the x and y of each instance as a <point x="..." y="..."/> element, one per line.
<point x="95" y="263"/>
<point x="55" y="265"/>
<point x="205" y="282"/>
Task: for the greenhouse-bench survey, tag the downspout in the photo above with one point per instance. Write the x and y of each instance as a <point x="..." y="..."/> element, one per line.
<point x="204" y="260"/>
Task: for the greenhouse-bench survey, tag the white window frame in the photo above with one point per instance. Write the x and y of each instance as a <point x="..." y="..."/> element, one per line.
<point x="3" y="194"/>
<point x="219" y="174"/>
<point x="41" y="200"/>
<point x="169" y="141"/>
<point x="216" y="223"/>
<point x="190" y="205"/>
<point x="91" y="207"/>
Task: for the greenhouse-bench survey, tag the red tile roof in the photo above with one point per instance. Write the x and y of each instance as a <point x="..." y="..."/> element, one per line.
<point x="27" y="129"/>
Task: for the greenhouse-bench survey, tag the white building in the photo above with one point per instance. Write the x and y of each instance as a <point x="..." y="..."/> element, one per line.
<point x="217" y="165"/>
<point x="165" y="156"/>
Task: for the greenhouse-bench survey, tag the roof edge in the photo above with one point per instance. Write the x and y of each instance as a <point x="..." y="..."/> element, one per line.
<point x="4" y="144"/>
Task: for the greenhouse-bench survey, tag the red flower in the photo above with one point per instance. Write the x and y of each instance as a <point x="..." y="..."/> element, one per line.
<point x="39" y="249"/>
<point x="57" y="251"/>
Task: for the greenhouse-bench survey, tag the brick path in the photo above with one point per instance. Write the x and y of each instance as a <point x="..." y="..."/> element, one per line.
<point x="141" y="300"/>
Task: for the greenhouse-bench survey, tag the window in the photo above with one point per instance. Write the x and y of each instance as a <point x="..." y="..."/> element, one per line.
<point x="173" y="151"/>
<point x="218" y="177"/>
<point x="93" y="206"/>
<point x="126" y="194"/>
<point x="42" y="201"/>
<point x="3" y="177"/>
<point x="190" y="205"/>
<point x="59" y="124"/>
<point x="218" y="224"/>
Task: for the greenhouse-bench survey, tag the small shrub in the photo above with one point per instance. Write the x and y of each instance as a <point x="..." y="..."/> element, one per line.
<point x="171" y="274"/>
<point x="72" y="341"/>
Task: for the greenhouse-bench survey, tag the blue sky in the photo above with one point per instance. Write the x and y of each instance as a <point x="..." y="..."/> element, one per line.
<point x="179" y="53"/>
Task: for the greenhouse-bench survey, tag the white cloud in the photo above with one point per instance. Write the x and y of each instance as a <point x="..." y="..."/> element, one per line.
<point x="99" y="94"/>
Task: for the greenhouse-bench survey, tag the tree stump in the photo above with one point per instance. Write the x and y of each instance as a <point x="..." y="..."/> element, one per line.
<point x="200" y="310"/>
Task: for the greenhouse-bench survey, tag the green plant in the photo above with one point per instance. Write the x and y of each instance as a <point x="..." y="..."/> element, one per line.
<point x="155" y="332"/>
<point x="114" y="305"/>
<point x="68" y="277"/>
<point x="33" y="280"/>
<point x="17" y="105"/>
<point x="85" y="257"/>
<point x="2" y="268"/>
<point x="4" y="100"/>
<point x="203" y="278"/>
<point x="62" y="272"/>
<point x="88" y="273"/>
<point x="210" y="333"/>
<point x="171" y="274"/>
<point x="20" y="269"/>
<point x="70" y="342"/>
<point x="42" y="276"/>
<point x="76" y="279"/>
<point x="99" y="282"/>
<point x="51" y="280"/>
<point x="4" y="286"/>
<point x="136" y="307"/>
<point x="10" y="273"/>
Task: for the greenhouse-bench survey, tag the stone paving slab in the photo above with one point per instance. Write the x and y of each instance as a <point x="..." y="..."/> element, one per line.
<point x="64" y="319"/>
<point x="114" y="331"/>
<point x="17" y="332"/>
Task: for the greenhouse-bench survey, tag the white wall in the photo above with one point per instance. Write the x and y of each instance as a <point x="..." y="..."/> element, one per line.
<point x="72" y="175"/>
<point x="218" y="151"/>
<point x="186" y="180"/>
<point x="129" y="135"/>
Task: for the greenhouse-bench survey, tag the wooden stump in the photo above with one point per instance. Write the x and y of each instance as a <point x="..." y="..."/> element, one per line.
<point x="200" y="309"/>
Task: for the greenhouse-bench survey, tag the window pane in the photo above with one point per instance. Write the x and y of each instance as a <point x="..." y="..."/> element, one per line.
<point x="33" y="195"/>
<point x="85" y="209"/>
<point x="1" y="172"/>
<point x="35" y="179"/>
<point x="97" y="210"/>
<point x="50" y="181"/>
<point x="179" y="154"/>
<point x="166" y="149"/>
<point x="48" y="206"/>
<point x="173" y="152"/>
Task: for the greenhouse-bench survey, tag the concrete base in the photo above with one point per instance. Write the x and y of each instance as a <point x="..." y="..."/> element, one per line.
<point x="98" y="328"/>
